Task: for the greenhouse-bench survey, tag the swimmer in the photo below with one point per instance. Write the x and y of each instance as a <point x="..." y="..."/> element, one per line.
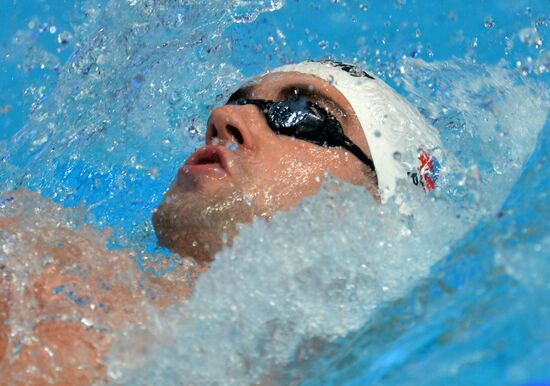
<point x="276" y="140"/>
<point x="271" y="145"/>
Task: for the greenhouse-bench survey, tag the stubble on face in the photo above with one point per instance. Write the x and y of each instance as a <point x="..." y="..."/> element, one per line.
<point x="198" y="224"/>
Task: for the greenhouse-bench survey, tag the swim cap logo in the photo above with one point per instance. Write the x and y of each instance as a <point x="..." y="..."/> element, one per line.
<point x="428" y="171"/>
<point x="354" y="71"/>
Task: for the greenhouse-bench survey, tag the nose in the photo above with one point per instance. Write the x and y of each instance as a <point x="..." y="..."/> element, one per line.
<point x="229" y="123"/>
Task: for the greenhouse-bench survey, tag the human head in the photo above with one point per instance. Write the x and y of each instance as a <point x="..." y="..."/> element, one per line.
<point x="246" y="170"/>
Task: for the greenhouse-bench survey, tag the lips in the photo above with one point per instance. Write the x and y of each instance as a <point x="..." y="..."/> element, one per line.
<point x="209" y="159"/>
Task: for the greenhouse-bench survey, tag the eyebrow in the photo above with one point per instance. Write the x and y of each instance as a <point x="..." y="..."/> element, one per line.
<point x="305" y="90"/>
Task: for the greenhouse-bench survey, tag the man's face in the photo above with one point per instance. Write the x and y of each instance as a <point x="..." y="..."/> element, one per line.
<point x="247" y="170"/>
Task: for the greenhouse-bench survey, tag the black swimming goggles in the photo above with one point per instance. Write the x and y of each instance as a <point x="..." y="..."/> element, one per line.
<point x="305" y="120"/>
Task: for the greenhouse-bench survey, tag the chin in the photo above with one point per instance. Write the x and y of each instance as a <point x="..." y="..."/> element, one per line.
<point x="194" y="224"/>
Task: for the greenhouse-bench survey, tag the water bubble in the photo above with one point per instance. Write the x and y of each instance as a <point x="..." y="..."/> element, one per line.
<point x="397" y="156"/>
<point x="231" y="146"/>
<point x="193" y="131"/>
<point x="53" y="29"/>
<point x="64" y="38"/>
<point x="5" y="201"/>
<point x="377" y="133"/>
<point x="530" y="36"/>
<point x="364" y="7"/>
<point x="323" y="44"/>
<point x="414" y="53"/>
<point x="87" y="323"/>
<point x="541" y="22"/>
<point x="489" y="22"/>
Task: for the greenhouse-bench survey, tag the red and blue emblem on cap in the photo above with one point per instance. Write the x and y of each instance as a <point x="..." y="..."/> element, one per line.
<point x="428" y="171"/>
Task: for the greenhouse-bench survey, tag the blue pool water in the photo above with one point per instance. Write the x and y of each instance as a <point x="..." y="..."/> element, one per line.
<point x="103" y="100"/>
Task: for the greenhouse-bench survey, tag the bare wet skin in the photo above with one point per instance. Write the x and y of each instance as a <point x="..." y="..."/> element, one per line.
<point x="63" y="294"/>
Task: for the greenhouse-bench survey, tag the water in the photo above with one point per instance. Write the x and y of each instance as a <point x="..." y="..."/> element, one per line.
<point x="340" y="291"/>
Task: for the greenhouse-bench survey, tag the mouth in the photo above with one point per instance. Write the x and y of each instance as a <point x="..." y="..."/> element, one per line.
<point x="211" y="160"/>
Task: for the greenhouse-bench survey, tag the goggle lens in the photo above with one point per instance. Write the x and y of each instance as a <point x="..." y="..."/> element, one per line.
<point x="302" y="119"/>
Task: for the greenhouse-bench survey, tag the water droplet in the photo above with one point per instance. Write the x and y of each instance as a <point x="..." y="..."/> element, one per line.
<point x="377" y="133"/>
<point x="414" y="53"/>
<point x="231" y="146"/>
<point x="86" y="322"/>
<point x="193" y="132"/>
<point x="530" y="37"/>
<point x="397" y="156"/>
<point x="489" y="22"/>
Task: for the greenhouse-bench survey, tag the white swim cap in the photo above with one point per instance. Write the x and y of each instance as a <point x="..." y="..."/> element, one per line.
<point x="402" y="144"/>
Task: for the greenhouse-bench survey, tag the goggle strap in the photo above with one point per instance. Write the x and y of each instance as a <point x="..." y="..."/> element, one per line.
<point x="356" y="151"/>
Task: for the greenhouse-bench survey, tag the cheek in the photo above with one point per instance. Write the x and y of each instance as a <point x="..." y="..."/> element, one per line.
<point x="288" y="171"/>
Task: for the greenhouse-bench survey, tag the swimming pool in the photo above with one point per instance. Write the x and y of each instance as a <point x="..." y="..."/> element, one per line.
<point x="105" y="99"/>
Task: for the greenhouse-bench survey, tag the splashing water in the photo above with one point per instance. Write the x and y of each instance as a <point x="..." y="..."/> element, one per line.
<point x="299" y="280"/>
<point x="341" y="290"/>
